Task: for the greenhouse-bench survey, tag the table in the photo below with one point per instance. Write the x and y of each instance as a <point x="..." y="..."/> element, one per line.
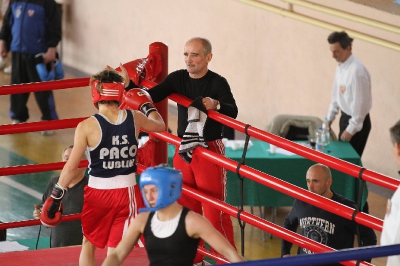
<point x="44" y="242"/>
<point x="291" y="168"/>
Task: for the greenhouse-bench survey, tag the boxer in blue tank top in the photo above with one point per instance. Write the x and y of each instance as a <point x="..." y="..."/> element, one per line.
<point x="112" y="197"/>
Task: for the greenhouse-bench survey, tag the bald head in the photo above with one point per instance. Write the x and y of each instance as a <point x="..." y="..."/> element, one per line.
<point x="319" y="180"/>
<point x="321" y="170"/>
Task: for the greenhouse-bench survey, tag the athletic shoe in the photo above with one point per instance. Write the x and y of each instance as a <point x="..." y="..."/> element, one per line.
<point x="15" y="121"/>
<point x="47" y="132"/>
<point x="7" y="70"/>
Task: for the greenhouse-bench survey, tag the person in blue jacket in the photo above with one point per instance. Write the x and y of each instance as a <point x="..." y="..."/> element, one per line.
<point x="30" y="27"/>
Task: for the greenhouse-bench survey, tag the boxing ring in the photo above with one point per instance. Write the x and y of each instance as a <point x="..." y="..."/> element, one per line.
<point x="149" y="71"/>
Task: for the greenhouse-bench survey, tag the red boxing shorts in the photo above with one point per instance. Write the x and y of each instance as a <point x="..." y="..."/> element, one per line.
<point x="107" y="214"/>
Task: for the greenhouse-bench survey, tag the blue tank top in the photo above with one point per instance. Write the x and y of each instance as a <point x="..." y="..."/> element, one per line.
<point x="116" y="152"/>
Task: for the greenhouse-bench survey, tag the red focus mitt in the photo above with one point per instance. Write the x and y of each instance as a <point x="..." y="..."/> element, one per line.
<point x="138" y="99"/>
<point x="52" y="208"/>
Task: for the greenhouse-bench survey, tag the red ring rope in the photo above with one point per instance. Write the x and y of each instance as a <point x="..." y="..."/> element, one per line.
<point x="229" y="164"/>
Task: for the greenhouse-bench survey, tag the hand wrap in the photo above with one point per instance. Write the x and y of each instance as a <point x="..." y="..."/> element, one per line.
<point x="147" y="108"/>
<point x="138" y="99"/>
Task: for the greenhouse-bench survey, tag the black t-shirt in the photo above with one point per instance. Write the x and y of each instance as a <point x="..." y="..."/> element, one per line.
<point x="68" y="233"/>
<point x="211" y="85"/>
<point x="325" y="227"/>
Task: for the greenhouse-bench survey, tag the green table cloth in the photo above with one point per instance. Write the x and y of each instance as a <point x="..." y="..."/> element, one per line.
<point x="290" y="168"/>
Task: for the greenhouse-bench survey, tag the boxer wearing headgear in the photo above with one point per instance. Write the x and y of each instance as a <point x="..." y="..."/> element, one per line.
<point x="171" y="232"/>
<point x="168" y="182"/>
<point x="110" y="137"/>
<point x="110" y="91"/>
<point x="127" y="97"/>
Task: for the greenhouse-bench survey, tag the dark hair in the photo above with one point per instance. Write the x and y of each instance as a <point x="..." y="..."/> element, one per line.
<point x="341" y="37"/>
<point x="395" y="133"/>
<point x="70" y="147"/>
<point x="106" y="76"/>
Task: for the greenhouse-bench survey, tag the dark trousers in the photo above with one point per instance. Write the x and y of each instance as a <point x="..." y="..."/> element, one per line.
<point x="359" y="139"/>
<point x="24" y="71"/>
<point x="3" y="234"/>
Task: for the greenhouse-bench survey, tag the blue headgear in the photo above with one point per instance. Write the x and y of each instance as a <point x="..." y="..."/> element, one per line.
<point x="168" y="182"/>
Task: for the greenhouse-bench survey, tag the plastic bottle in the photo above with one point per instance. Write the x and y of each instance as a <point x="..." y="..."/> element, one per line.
<point x="325" y="132"/>
<point x="319" y="145"/>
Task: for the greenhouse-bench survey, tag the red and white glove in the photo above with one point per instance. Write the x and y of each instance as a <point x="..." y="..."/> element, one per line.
<point x="52" y="208"/>
<point x="138" y="99"/>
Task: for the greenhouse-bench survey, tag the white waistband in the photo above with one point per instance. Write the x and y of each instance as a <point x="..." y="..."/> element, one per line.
<point x="119" y="181"/>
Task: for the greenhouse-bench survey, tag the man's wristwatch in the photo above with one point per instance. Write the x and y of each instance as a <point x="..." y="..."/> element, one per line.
<point x="218" y="106"/>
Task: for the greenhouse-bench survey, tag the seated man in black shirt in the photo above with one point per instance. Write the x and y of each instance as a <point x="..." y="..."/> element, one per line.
<point x="67" y="233"/>
<point x="320" y="225"/>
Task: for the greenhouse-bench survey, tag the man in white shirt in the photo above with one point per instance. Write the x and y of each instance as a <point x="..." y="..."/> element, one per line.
<point x="351" y="93"/>
<point x="391" y="226"/>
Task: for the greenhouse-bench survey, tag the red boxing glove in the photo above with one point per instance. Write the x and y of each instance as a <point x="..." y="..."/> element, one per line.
<point x="138" y="99"/>
<point x="52" y="208"/>
<point x="47" y="211"/>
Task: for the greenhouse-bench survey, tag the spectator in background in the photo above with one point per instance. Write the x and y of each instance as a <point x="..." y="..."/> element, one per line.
<point x="67" y="233"/>
<point x="4" y="6"/>
<point x="351" y="93"/>
<point x="30" y="28"/>
<point x="391" y="224"/>
<point x="4" y="61"/>
<point x="320" y="225"/>
<point x="3" y="234"/>
<point x="210" y="91"/>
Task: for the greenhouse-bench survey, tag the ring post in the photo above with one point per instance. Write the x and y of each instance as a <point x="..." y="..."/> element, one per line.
<point x="161" y="154"/>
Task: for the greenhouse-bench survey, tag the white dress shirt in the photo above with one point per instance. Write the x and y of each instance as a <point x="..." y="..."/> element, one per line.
<point x="351" y="92"/>
<point x="391" y="227"/>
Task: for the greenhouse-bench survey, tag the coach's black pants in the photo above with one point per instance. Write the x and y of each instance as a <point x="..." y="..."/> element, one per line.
<point x="359" y="139"/>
